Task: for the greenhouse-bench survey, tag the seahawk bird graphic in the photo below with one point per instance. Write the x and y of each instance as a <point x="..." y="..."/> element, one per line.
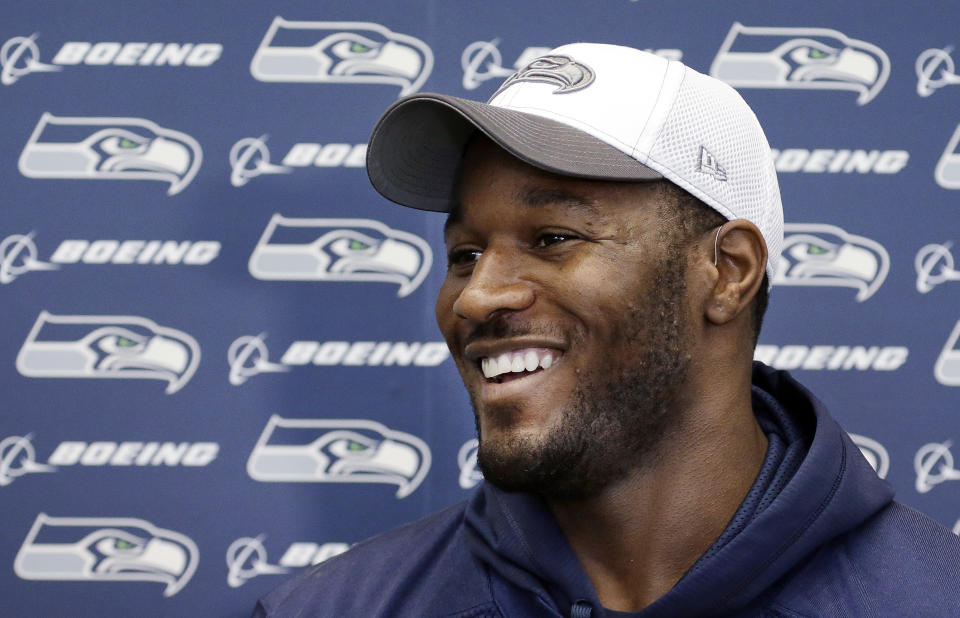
<point x="106" y="549"/>
<point x="338" y="451"/>
<point x="110" y="149"/>
<point x="340" y="250"/>
<point x="108" y="346"/>
<point x="817" y="254"/>
<point x="800" y="58"/>
<point x="341" y="52"/>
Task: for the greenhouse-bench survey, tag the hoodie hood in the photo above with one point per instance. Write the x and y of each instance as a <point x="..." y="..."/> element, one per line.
<point x="814" y="485"/>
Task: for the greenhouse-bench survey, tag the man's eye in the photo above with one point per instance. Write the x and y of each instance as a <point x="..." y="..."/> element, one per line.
<point x="462" y="257"/>
<point x="552" y="238"/>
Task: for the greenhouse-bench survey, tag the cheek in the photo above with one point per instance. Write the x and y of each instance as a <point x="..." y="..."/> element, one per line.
<point x="443" y="309"/>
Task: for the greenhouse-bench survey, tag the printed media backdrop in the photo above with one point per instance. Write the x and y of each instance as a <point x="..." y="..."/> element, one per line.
<point x="218" y="356"/>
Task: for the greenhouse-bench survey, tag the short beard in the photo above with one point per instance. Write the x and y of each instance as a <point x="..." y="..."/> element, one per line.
<point x="617" y="418"/>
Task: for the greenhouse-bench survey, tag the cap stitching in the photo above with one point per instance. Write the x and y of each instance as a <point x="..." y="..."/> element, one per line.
<point x="663" y="80"/>
<point x="663" y="126"/>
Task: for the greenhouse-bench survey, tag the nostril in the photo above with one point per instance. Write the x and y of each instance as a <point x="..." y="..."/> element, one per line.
<point x="481" y="303"/>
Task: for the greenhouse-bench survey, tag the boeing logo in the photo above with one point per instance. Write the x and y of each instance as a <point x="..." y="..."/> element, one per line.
<point x="18" y="253"/>
<point x="303" y="154"/>
<point x="874" y="452"/>
<point x="832" y="357"/>
<point x="947" y="172"/>
<point x="935" y="70"/>
<point x="113" y="549"/>
<point x="947" y="368"/>
<point x="18" y="256"/>
<point x="933" y="464"/>
<point x="800" y="58"/>
<point x="366" y="353"/>
<point x="470" y="475"/>
<point x="816" y="254"/>
<point x="250" y="158"/>
<point x="20" y="56"/>
<point x="18" y="457"/>
<point x="108" y="346"/>
<point x="110" y="148"/>
<point x="361" y="250"/>
<point x="341" y="52"/>
<point x="934" y="265"/>
<point x="338" y="451"/>
<point x="247" y="357"/>
<point x="837" y="161"/>
<point x="247" y="558"/>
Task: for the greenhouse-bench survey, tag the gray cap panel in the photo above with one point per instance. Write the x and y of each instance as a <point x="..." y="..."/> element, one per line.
<point x="416" y="148"/>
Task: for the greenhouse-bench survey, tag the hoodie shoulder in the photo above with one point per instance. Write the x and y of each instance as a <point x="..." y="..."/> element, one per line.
<point x="898" y="563"/>
<point x="423" y="568"/>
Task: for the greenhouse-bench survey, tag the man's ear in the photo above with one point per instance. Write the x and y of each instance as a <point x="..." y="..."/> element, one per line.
<point x="741" y="260"/>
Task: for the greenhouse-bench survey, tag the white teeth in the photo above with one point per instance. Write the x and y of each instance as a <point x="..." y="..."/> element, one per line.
<point x="518" y="361"/>
<point x="486" y="365"/>
<point x="530" y="360"/>
<point x="504" y="365"/>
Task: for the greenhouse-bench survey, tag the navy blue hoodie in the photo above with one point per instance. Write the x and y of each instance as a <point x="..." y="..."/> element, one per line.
<point x="817" y="535"/>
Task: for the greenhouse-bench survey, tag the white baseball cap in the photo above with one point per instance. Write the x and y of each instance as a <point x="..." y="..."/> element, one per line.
<point x="591" y="111"/>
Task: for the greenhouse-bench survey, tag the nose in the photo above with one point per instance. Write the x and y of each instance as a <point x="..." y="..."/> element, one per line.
<point x="495" y="285"/>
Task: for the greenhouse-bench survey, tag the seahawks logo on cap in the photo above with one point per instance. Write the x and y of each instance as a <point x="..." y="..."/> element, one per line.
<point x="562" y="71"/>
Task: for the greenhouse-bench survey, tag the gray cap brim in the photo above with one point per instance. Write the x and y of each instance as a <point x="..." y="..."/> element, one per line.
<point x="414" y="153"/>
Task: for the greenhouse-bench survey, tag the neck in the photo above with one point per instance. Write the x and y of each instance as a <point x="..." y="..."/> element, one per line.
<point x="638" y="536"/>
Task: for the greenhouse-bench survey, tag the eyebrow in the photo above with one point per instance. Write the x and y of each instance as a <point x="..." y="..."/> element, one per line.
<point x="538" y="197"/>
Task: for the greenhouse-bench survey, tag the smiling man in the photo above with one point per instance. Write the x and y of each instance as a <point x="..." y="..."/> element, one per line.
<point x="614" y="223"/>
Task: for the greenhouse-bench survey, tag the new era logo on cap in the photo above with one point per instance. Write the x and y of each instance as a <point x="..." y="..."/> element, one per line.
<point x="710" y="166"/>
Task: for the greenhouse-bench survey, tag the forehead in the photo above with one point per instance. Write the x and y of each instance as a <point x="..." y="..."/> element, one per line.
<point x="491" y="178"/>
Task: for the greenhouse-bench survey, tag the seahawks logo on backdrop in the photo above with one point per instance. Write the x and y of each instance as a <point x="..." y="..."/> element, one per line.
<point x="338" y="451"/>
<point x="293" y="249"/>
<point x="106" y="549"/>
<point x="561" y="71"/>
<point x="110" y="149"/>
<point x="817" y="254"/>
<point x="800" y="58"/>
<point x="108" y="346"/>
<point x="352" y="52"/>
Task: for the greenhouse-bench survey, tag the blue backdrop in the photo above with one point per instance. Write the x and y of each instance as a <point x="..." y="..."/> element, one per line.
<point x="218" y="356"/>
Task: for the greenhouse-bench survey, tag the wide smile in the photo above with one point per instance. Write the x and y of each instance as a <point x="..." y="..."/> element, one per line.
<point x="518" y="363"/>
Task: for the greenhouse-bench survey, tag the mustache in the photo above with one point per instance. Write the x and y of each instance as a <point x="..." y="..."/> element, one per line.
<point x="505" y="327"/>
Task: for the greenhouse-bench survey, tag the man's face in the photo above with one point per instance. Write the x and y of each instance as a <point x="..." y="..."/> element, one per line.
<point x="563" y="307"/>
